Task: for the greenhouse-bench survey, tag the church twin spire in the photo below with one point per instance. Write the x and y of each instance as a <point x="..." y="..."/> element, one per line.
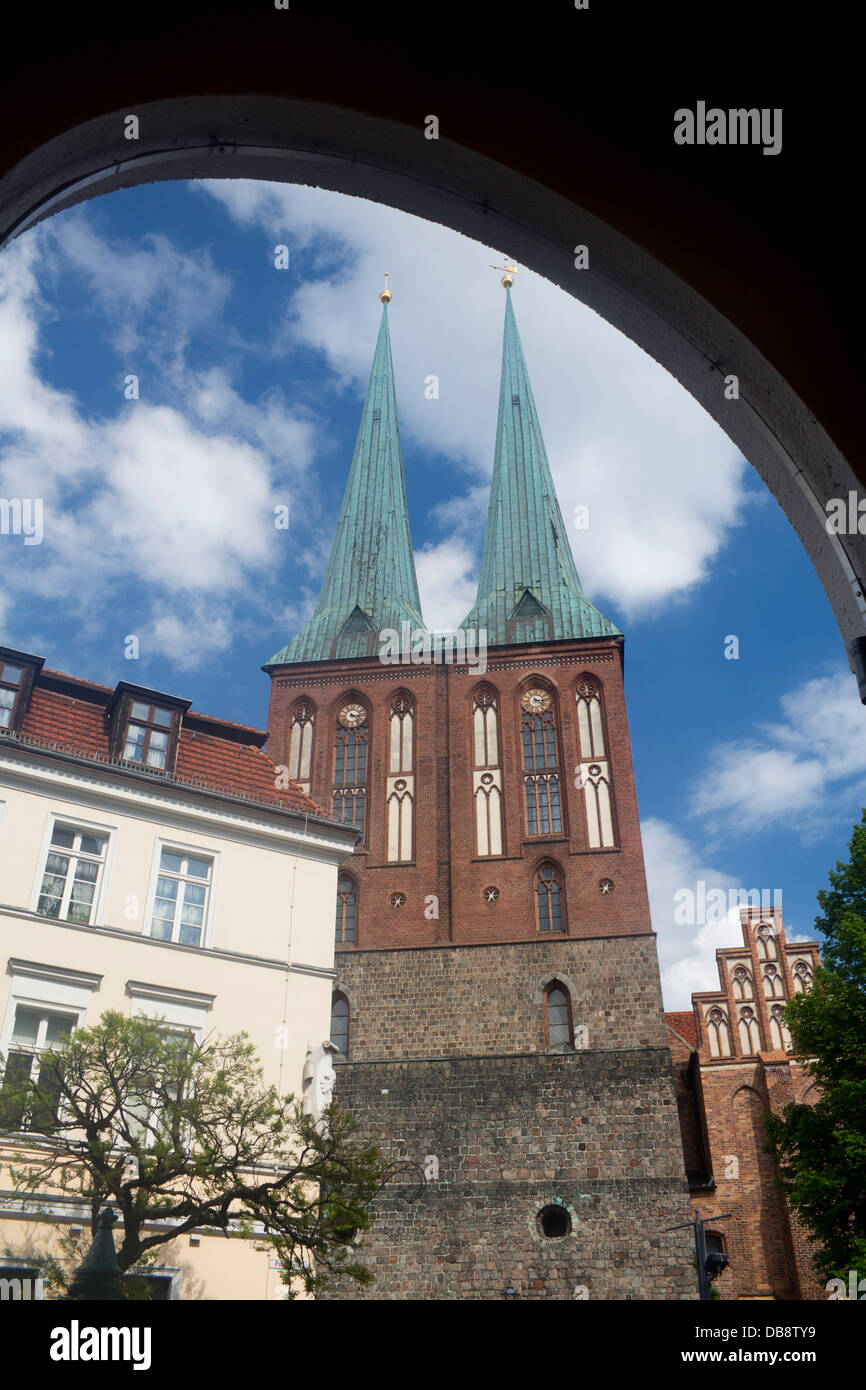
<point x="370" y="583"/>
<point x="528" y="589"/>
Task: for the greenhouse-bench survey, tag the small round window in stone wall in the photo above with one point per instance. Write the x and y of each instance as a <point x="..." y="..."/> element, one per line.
<point x="554" y="1222"/>
<point x="491" y="895"/>
<point x="397" y="899"/>
<point x="605" y="886"/>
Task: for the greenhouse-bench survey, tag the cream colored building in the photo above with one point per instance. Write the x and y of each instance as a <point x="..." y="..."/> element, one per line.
<point x="154" y="861"/>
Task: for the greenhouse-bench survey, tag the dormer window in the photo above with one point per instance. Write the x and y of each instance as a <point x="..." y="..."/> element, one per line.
<point x="18" y="670"/>
<point x="145" y="727"/>
<point x="148" y="735"/>
<point x="10" y="688"/>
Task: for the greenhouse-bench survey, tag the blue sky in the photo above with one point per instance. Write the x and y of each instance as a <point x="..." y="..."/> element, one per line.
<point x="159" y="511"/>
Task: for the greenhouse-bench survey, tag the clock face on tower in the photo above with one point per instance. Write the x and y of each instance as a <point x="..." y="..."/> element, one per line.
<point x="351" y="716"/>
<point x="536" y="701"/>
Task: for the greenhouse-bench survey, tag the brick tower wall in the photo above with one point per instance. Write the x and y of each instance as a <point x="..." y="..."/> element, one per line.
<point x="447" y="1052"/>
<point x="457" y="1000"/>
<point x="444" y="865"/>
<point x="595" y="1132"/>
<point x="447" y="1058"/>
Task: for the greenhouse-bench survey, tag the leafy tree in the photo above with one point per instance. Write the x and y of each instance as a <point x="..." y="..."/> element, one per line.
<point x="168" y="1130"/>
<point x="821" y="1148"/>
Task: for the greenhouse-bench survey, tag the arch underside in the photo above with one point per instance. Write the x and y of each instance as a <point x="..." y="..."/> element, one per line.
<point x="272" y="138"/>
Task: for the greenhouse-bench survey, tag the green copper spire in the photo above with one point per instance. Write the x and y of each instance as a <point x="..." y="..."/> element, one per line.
<point x="370" y="582"/>
<point x="528" y="590"/>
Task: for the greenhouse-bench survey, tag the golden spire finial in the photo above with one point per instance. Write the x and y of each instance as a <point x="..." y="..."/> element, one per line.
<point x="510" y="272"/>
<point x="385" y="296"/>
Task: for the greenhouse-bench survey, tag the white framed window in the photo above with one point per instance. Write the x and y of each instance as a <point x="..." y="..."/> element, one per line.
<point x="183" y="1014"/>
<point x="181" y="899"/>
<point x="45" y="1003"/>
<point x="34" y="1030"/>
<point x="11" y="679"/>
<point x="148" y="734"/>
<point x="181" y="1009"/>
<point x="72" y="871"/>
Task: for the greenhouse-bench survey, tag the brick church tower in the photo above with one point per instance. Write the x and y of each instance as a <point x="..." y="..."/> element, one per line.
<point x="497" y="1004"/>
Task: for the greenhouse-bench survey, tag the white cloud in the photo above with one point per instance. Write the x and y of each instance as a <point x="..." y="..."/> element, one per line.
<point x="177" y="496"/>
<point x="447" y="581"/>
<point x="189" y="639"/>
<point x="662" y="483"/>
<point x="687" y="949"/>
<point x="153" y="296"/>
<point x="803" y="772"/>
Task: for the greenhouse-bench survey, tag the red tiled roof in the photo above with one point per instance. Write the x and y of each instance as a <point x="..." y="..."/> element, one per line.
<point x="684" y="1024"/>
<point x="79" y="680"/>
<point x="233" y="767"/>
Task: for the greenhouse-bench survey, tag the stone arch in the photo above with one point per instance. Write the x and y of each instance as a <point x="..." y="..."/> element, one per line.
<point x="555" y="977"/>
<point x="339" y="986"/>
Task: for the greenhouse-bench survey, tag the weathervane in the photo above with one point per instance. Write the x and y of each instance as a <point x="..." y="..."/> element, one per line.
<point x="385" y="296"/>
<point x="510" y="272"/>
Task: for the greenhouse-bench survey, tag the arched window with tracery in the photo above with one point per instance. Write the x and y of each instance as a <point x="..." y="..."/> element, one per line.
<point x="750" y="1033"/>
<point x="717" y="1032"/>
<point x="802" y="977"/>
<point x="540" y="763"/>
<point x="548" y="899"/>
<point x="594" y="771"/>
<point x="557" y="1016"/>
<point x="400" y="788"/>
<point x="301" y="743"/>
<point x="347" y="910"/>
<point x="766" y="942"/>
<point x="340" y="1023"/>
<point x="779" y="1029"/>
<point x="350" y="765"/>
<point x="487" y="772"/>
<point x="773" y="988"/>
<point x="742" y="983"/>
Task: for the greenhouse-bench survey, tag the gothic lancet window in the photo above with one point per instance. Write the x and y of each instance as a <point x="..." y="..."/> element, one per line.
<point x="773" y="988"/>
<point x="540" y="769"/>
<point x="340" y="1023"/>
<point x="548" y="899"/>
<point x="750" y="1034"/>
<point x="765" y="942"/>
<point x="301" y="743"/>
<point x="557" y="1016"/>
<point x="487" y="773"/>
<point x="347" y="909"/>
<point x="594" y="769"/>
<point x="778" y="1029"/>
<point x="717" y="1031"/>
<point x="400" y="789"/>
<point x="350" y="766"/>
<point x="742" y="981"/>
<point x="802" y="978"/>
